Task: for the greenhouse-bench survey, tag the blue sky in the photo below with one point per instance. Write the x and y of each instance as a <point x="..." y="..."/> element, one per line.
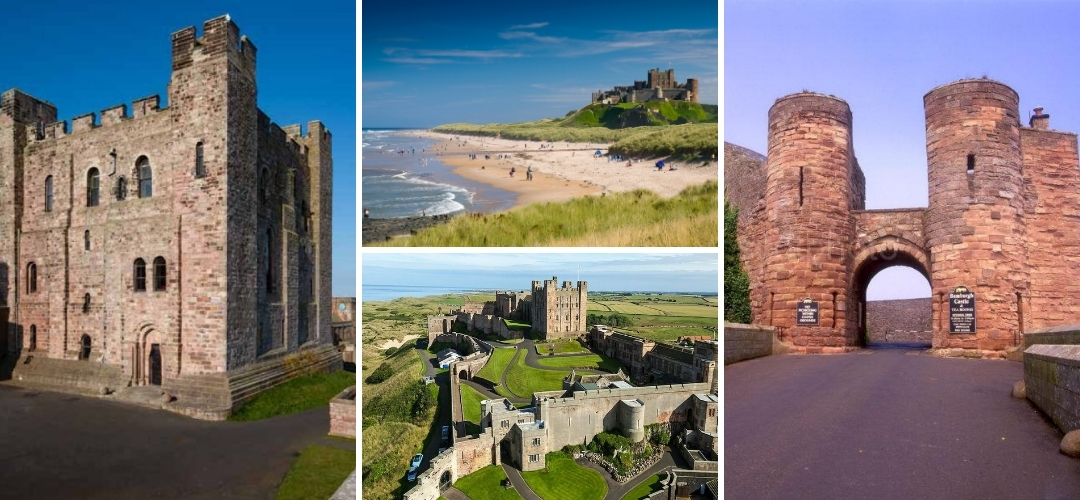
<point x="882" y="57"/>
<point x="671" y="272"/>
<point x="502" y="62"/>
<point x="87" y="56"/>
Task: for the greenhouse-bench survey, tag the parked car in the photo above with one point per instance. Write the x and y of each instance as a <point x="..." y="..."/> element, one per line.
<point x="416" y="459"/>
<point x="412" y="474"/>
<point x="446" y="435"/>
<point x="429" y="380"/>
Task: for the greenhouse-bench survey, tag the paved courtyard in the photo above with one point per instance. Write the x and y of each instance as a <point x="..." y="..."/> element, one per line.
<point x="887" y="424"/>
<point x="57" y="446"/>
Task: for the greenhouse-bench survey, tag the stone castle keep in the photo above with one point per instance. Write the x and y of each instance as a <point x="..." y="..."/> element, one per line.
<point x="660" y="86"/>
<point x="1003" y="216"/>
<point x="186" y="247"/>
<point x="553" y="311"/>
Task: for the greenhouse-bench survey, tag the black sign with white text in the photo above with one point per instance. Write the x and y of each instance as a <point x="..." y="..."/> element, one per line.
<point x="962" y="310"/>
<point x="806" y="313"/>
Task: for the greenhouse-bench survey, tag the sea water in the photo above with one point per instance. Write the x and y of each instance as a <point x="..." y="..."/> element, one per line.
<point x="402" y="177"/>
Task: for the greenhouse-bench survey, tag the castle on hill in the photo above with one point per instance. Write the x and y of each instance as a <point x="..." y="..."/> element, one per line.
<point x="660" y="86"/>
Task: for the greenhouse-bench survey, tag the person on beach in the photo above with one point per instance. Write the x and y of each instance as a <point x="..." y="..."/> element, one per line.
<point x="511" y="172"/>
<point x="528" y="173"/>
<point x="367" y="213"/>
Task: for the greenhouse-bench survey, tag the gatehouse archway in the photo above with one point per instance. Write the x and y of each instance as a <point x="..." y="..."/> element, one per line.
<point x="889" y="258"/>
<point x="463" y="375"/>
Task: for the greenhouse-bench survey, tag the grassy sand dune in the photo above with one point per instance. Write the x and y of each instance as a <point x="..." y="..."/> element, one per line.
<point x="636" y="218"/>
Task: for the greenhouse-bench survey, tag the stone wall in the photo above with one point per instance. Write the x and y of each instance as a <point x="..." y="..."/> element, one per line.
<point x="343" y="414"/>
<point x="902" y="320"/>
<point x="1052" y="380"/>
<point x="1058" y="335"/>
<point x="742" y="342"/>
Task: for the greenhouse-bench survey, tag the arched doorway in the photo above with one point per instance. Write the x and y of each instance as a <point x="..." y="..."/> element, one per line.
<point x="155" y="364"/>
<point x="445" y="481"/>
<point x="84" y="347"/>
<point x="463" y="375"/>
<point x="893" y="294"/>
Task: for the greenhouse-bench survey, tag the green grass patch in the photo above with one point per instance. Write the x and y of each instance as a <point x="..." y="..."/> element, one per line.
<point x="493" y="369"/>
<point x="317" y="473"/>
<point x="563" y="479"/>
<point x="524" y="381"/>
<point x="559" y="347"/>
<point x="646" y="488"/>
<point x="486" y="484"/>
<point x="297" y="395"/>
<point x="470" y="403"/>
<point x="638" y="218"/>
<point x="588" y="361"/>
<point x="516" y="325"/>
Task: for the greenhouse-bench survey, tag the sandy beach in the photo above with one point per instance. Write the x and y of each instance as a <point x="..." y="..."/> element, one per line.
<point x="561" y="171"/>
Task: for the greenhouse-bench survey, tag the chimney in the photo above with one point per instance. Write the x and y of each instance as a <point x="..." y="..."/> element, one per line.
<point x="1039" y="120"/>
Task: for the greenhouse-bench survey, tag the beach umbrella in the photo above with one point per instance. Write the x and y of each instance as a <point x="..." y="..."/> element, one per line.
<point x="598" y="153"/>
<point x="660" y="163"/>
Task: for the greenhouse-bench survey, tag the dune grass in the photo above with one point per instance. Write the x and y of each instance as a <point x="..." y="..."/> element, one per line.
<point x="524" y="380"/>
<point x="590" y="361"/>
<point x="297" y="395"/>
<point x="564" y="479"/>
<point x="634" y="218"/>
<point x="317" y="473"/>
<point x="486" y="484"/>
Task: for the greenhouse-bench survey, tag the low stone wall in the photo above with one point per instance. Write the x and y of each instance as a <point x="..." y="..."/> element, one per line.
<point x="343" y="414"/>
<point x="697" y="460"/>
<point x="1052" y="380"/>
<point x="1058" y="335"/>
<point x="742" y="342"/>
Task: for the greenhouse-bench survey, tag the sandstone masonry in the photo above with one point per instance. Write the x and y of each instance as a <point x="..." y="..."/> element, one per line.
<point x="186" y="246"/>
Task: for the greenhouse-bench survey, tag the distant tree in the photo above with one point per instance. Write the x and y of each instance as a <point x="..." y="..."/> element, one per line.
<point x="736" y="281"/>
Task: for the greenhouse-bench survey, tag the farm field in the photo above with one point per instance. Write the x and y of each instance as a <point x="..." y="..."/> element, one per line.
<point x="660" y="317"/>
<point x="394" y="319"/>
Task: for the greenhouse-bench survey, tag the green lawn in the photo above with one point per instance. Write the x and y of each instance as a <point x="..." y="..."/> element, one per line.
<point x="297" y="395"/>
<point x="560" y="347"/>
<point x="516" y="325"/>
<point x="486" y="484"/>
<point x="317" y="473"/>
<point x="591" y="361"/>
<point x="565" y="479"/>
<point x="470" y="403"/>
<point x="494" y="368"/>
<point x="524" y="381"/>
<point x="649" y="486"/>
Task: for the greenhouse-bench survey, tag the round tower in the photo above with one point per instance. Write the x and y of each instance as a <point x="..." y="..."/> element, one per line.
<point x="809" y="198"/>
<point x="692" y="85"/>
<point x="974" y="223"/>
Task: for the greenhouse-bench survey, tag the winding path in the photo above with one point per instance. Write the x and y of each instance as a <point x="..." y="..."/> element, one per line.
<point x="519" y="483"/>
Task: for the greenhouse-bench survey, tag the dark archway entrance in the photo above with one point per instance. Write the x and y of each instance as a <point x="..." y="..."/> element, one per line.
<point x="155" y="364"/>
<point x="896" y="323"/>
<point x="504" y="452"/>
<point x="445" y="481"/>
<point x="463" y="375"/>
<point x="84" y="350"/>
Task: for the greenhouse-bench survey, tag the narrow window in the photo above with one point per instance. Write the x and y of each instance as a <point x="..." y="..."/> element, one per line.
<point x="1020" y="313"/>
<point x="801" y="179"/>
<point x="48" y="193"/>
<point x="86" y="303"/>
<point x="31" y="277"/>
<point x="834" y="309"/>
<point x="268" y="249"/>
<point x="159" y="274"/>
<point x="121" y="188"/>
<point x="264" y="185"/>
<point x="971" y="164"/>
<point x="33" y="337"/>
<point x="92" y="188"/>
<point x="140" y="275"/>
<point x="86" y="240"/>
<point x="200" y="168"/>
<point x="84" y="351"/>
<point x="146" y="177"/>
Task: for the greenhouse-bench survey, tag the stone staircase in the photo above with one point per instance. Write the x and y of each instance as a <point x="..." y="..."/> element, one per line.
<point x="82" y="377"/>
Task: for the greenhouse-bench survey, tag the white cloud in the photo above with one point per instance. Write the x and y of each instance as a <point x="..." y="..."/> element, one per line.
<point x="519" y="35"/>
<point x="416" y="60"/>
<point x="484" y="54"/>
<point x="529" y="26"/>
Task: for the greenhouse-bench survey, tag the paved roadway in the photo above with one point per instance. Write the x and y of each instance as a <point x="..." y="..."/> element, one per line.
<point x="58" y="446"/>
<point x="887" y="424"/>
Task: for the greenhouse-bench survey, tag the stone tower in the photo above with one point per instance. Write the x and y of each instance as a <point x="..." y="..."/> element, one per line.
<point x="692" y="84"/>
<point x="809" y="197"/>
<point x="975" y="220"/>
<point x="559" y="312"/>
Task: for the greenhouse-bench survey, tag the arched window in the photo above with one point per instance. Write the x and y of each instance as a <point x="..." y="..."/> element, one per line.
<point x="121" y="188"/>
<point x="86" y="240"/>
<point x="146" y="177"/>
<point x="33" y="337"/>
<point x="268" y="250"/>
<point x="159" y="274"/>
<point x="48" y="193"/>
<point x="200" y="167"/>
<point x="93" y="191"/>
<point x="31" y="277"/>
<point x="86" y="303"/>
<point x="140" y="275"/>
<point x="84" y="348"/>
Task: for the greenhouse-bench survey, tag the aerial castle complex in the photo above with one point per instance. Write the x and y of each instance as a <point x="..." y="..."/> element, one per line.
<point x="1003" y="202"/>
<point x="185" y="247"/>
<point x="660" y="86"/>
